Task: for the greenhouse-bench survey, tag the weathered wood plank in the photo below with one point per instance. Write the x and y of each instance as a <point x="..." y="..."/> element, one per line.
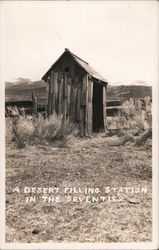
<point x="76" y="98"/>
<point x="52" y="82"/>
<point x="83" y="105"/>
<point x="82" y="111"/>
<point x="49" y="97"/>
<point x="86" y="107"/>
<point x="74" y="93"/>
<point x="35" y="105"/>
<point x="90" y="97"/>
<point x="51" y="107"/>
<point x="84" y="89"/>
<point x="104" y="111"/>
<point x="66" y="86"/>
<point x="78" y="102"/>
<point x="81" y="123"/>
<point x="64" y="100"/>
<point x="56" y="91"/>
<point x="68" y="96"/>
<point x="60" y="105"/>
<point x="71" y="98"/>
<point x="52" y="92"/>
<point x="75" y="103"/>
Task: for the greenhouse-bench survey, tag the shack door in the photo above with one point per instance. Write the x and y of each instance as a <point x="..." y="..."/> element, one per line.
<point x="97" y="109"/>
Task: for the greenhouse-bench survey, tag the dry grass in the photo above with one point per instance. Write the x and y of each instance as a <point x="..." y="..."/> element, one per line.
<point x="28" y="130"/>
<point x="83" y="163"/>
<point x="133" y="116"/>
<point x="95" y="163"/>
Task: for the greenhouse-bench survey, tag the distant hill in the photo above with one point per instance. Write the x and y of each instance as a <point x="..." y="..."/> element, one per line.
<point x="125" y="92"/>
<point x="22" y="89"/>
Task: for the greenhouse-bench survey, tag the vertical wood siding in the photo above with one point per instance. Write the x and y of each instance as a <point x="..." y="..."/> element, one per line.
<point x="104" y="108"/>
<point x="71" y="96"/>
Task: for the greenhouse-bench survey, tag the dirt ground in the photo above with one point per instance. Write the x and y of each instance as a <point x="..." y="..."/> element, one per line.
<point x="98" y="162"/>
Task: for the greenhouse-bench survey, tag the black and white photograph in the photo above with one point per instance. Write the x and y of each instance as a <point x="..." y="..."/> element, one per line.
<point x="79" y="113"/>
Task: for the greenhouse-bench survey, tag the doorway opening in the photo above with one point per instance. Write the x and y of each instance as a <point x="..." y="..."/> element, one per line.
<point x="97" y="109"/>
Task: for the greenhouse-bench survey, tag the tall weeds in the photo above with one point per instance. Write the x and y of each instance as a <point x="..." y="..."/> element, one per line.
<point x="134" y="115"/>
<point x="28" y="130"/>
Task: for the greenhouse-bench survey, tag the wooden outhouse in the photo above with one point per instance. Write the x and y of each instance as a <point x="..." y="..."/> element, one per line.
<point x="77" y="92"/>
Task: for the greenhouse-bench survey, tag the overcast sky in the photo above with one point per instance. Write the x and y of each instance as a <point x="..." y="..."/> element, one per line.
<point x="119" y="39"/>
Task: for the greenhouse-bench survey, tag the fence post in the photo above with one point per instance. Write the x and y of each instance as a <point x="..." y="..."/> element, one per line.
<point x="35" y="105"/>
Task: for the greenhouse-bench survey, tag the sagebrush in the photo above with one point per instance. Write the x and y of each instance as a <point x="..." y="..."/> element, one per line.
<point x="29" y="130"/>
<point x="134" y="115"/>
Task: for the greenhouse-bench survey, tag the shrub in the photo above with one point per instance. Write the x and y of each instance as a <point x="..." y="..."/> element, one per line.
<point x="28" y="130"/>
<point x="51" y="130"/>
<point x="23" y="131"/>
<point x="134" y="115"/>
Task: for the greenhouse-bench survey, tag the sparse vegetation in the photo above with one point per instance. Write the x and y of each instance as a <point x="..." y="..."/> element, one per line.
<point x="97" y="162"/>
<point x="133" y="122"/>
<point x="29" y="130"/>
<point x="133" y="116"/>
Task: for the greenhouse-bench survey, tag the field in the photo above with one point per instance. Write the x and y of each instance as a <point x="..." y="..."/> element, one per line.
<point x="98" y="162"/>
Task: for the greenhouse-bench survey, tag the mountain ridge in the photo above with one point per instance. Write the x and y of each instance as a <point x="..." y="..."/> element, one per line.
<point x="23" y="89"/>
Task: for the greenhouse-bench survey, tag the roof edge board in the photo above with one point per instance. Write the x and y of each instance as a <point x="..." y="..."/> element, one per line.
<point x="44" y="76"/>
<point x="75" y="58"/>
<point x="98" y="80"/>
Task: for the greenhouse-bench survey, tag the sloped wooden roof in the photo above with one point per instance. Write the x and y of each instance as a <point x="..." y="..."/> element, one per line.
<point x="83" y="64"/>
